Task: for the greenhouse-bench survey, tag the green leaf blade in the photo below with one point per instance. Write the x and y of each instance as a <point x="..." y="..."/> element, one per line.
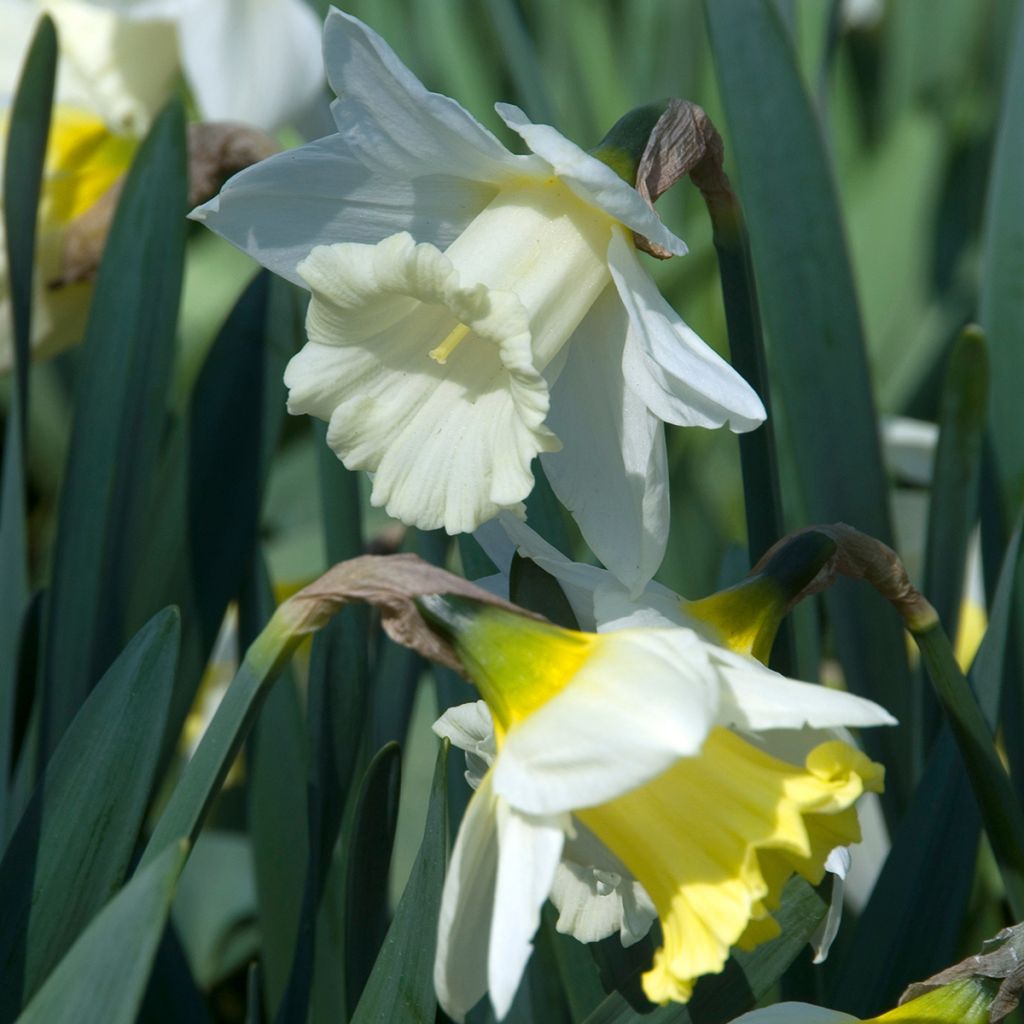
<point x="103" y="978"/>
<point x="74" y="841"/>
<point x="400" y="988"/>
<point x="119" y="422"/>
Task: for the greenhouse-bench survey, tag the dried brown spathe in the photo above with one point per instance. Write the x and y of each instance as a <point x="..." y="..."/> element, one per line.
<point x="390" y="583"/>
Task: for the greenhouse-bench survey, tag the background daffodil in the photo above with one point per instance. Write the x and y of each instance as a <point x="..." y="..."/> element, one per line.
<point x="629" y="733"/>
<point x="472" y="309"/>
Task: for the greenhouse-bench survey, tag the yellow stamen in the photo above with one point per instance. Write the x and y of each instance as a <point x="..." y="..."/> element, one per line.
<point x="449" y="345"/>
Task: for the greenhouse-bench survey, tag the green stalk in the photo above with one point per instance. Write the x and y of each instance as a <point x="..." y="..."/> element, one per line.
<point x="762" y="494"/>
<point x="205" y="772"/>
<point x="1000" y="811"/>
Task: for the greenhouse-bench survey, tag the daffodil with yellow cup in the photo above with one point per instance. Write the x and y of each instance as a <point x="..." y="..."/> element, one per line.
<point x="651" y="742"/>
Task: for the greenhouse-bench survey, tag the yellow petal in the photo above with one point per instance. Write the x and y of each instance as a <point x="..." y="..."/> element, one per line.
<point x="83" y="160"/>
<point x="517" y="663"/>
<point x="714" y="839"/>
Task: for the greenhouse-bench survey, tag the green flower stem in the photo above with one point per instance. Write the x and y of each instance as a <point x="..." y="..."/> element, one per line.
<point x="1000" y="811"/>
<point x="762" y="495"/>
<point x="746" y="347"/>
<point x="205" y="772"/>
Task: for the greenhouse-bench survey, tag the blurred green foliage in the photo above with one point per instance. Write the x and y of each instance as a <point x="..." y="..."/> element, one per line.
<point x="879" y="167"/>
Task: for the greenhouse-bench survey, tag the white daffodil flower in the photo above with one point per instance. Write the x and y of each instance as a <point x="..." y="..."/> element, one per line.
<point x="472" y="309"/>
<point x="633" y="735"/>
<point x="255" y="61"/>
<point x="736" y="623"/>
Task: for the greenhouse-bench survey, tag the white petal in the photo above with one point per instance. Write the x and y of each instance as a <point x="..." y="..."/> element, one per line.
<point x="612" y="473"/>
<point x="678" y="377"/>
<point x="578" y="581"/>
<point x="596" y="895"/>
<point x="280" y="209"/>
<point x="642" y="700"/>
<point x="470" y="727"/>
<point x="838" y="862"/>
<point x="389" y="119"/>
<point x="464" y="923"/>
<point x="826" y="932"/>
<point x="450" y="445"/>
<point x="656" y="607"/>
<point x="795" y="1013"/>
<point x="754" y="697"/>
<point x="122" y="68"/>
<point x="255" y="61"/>
<point x="591" y="179"/>
<point x="528" y="853"/>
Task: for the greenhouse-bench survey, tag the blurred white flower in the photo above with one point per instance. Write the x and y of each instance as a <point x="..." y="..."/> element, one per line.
<point x="472" y="309"/>
<point x="256" y="61"/>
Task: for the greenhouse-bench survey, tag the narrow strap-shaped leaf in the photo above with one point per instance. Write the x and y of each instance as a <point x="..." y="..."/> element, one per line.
<point x="28" y="128"/>
<point x="400" y="988"/>
<point x="103" y="978"/>
<point x="817" y="351"/>
<point x="953" y="511"/>
<point x="574" y="966"/>
<point x="276" y="800"/>
<point x="1002" y="300"/>
<point x="955" y="478"/>
<point x="27" y="132"/>
<point x="120" y="402"/>
<point x="366" y="875"/>
<point x="72" y="846"/>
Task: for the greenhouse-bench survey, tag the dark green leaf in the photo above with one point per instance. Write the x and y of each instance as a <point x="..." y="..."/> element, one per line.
<point x="27" y="130"/>
<point x="103" y="978"/>
<point x="253" y="1001"/>
<point x="571" y="963"/>
<point x="545" y="514"/>
<point x="369" y="857"/>
<point x="400" y="989"/>
<point x="215" y="907"/>
<point x="72" y="846"/>
<point x="231" y="442"/>
<point x="276" y="794"/>
<point x="120" y="411"/>
<point x="955" y="479"/>
<point x="533" y="588"/>
<point x="475" y="561"/>
<point x="1002" y="300"/>
<point x="816" y="346"/>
